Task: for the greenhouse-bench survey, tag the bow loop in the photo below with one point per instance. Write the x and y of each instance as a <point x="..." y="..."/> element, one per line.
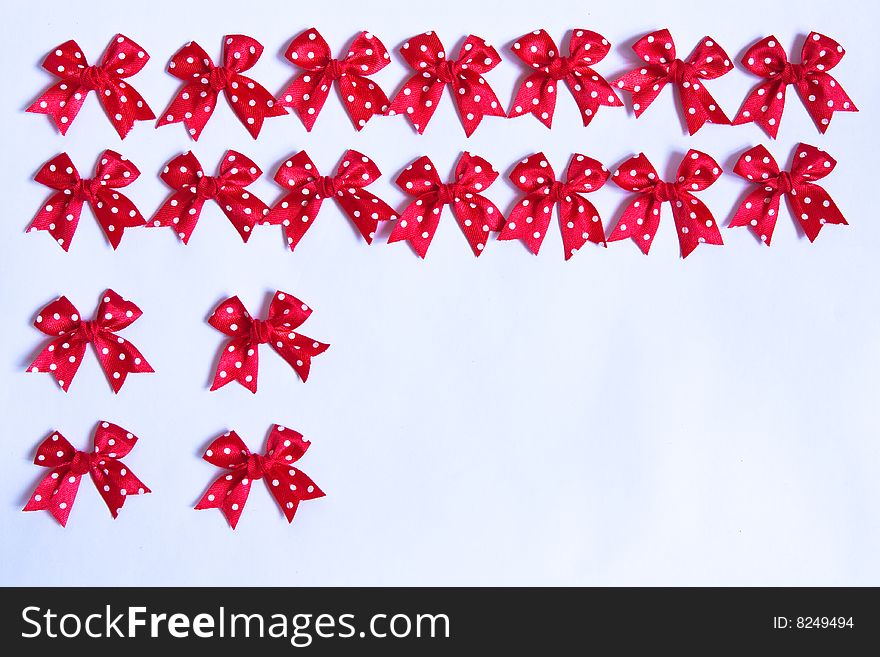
<point x="287" y="312"/>
<point x="228" y="451"/>
<point x="115" y="313"/>
<point x="697" y="171"/>
<point x="240" y="52"/>
<point x="309" y="51"/>
<point x="587" y="48"/>
<point x="54" y="451"/>
<point x="231" y="318"/>
<point x="238" y="170"/>
<point x="656" y="48"/>
<point x="474" y="173"/>
<point x="477" y="55"/>
<point x="637" y="174"/>
<point x="419" y="177"/>
<point x="585" y="174"/>
<point x="285" y="446"/>
<point x="123" y="58"/>
<point x="112" y="441"/>
<point x="811" y="163"/>
<point x="191" y="62"/>
<point x="423" y="51"/>
<point x="821" y="53"/>
<point x="297" y="171"/>
<point x="366" y="55"/>
<point x="114" y="170"/>
<point x="356" y="170"/>
<point x="58" y="318"/>
<point x="58" y="173"/>
<point x="538" y="50"/>
<point x="758" y="165"/>
<point x="182" y="172"/>
<point x="766" y="58"/>
<point x="708" y="60"/>
<point x="533" y="174"/>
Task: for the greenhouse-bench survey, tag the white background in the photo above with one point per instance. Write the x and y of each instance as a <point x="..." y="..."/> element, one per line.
<point x="616" y="419"/>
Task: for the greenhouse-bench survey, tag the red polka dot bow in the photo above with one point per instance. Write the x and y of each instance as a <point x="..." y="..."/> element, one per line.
<point x="63" y="355"/>
<point x="297" y="210"/>
<point x="203" y="82"/>
<point x="537" y="95"/>
<point x="707" y="62"/>
<point x="288" y="485"/>
<point x="122" y="103"/>
<point x="361" y="96"/>
<point x="182" y="209"/>
<point x="113" y="209"/>
<point x="819" y="91"/>
<point x="476" y="214"/>
<point x="56" y="493"/>
<point x="811" y="204"/>
<point x="694" y="223"/>
<point x="578" y="219"/>
<point x="239" y="359"/>
<point x="474" y="97"/>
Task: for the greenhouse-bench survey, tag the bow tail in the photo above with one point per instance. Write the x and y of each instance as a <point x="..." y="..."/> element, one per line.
<point x="60" y="217"/>
<point x="823" y="96"/>
<point x="477" y="216"/>
<point x="295" y="216"/>
<point x="537" y="96"/>
<point x="694" y="223"/>
<point x="242" y="208"/>
<point x="239" y="361"/>
<point x="579" y="223"/>
<point x="229" y="493"/>
<point x="115" y="483"/>
<point x="61" y="358"/>
<point x="644" y="87"/>
<point x="298" y="350"/>
<point x="306" y="95"/>
<point x="56" y="494"/>
<point x="591" y="94"/>
<point x="191" y="108"/>
<point x="764" y="106"/>
<point x="418" y="224"/>
<point x="365" y="210"/>
<point x="417" y="100"/>
<point x="124" y="105"/>
<point x="181" y="212"/>
<point x="289" y="487"/>
<point x="814" y="208"/>
<point x="363" y="99"/>
<point x="477" y="101"/>
<point x="700" y="107"/>
<point x="115" y="212"/>
<point x="252" y="104"/>
<point x="119" y="358"/>
<point x="639" y="222"/>
<point x="758" y="213"/>
<point x="62" y="101"/>
<point x="529" y="221"/>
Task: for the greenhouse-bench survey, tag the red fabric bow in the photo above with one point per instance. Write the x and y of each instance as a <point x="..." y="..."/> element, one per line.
<point x="537" y="95"/>
<point x="297" y="210"/>
<point x="707" y="62"/>
<point x="308" y="92"/>
<point x="288" y="486"/>
<point x="63" y="355"/>
<point x="418" y="98"/>
<point x="476" y="214"/>
<point x="240" y="356"/>
<point x="578" y="219"/>
<point x="694" y="222"/>
<point x="819" y="91"/>
<point x="114" y="210"/>
<point x="203" y="82"/>
<point x="122" y="103"/>
<point x="810" y="203"/>
<point x="182" y="209"/>
<point x="56" y="493"/>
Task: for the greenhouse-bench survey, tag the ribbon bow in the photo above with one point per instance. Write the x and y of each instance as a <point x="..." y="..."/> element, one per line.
<point x="810" y="203"/>
<point x="361" y="96"/>
<point x="182" y="209"/>
<point x="476" y="214"/>
<point x="819" y="91"/>
<point x="308" y="189"/>
<point x="63" y="355"/>
<point x="122" y="103"/>
<point x="474" y="97"/>
<point x="288" y="486"/>
<point x="694" y="222"/>
<point x="114" y="211"/>
<point x="579" y="220"/>
<point x="707" y="62"/>
<point x="240" y="356"/>
<point x="537" y="94"/>
<point x="56" y="493"/>
<point x="203" y="82"/>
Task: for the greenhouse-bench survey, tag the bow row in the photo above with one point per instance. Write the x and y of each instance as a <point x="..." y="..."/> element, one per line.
<point x="115" y="482"/>
<point x="305" y="191"/>
<point x="203" y="81"/>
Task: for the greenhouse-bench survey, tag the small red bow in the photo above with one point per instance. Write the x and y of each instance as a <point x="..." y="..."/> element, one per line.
<point x="203" y="82"/>
<point x="707" y="62"/>
<point x="579" y="220"/>
<point x="63" y="355"/>
<point x="182" y="209"/>
<point x="122" y="103"/>
<point x="820" y="93"/>
<point x="114" y="210"/>
<point x="810" y="203"/>
<point x="56" y="493"/>
<point x="240" y="356"/>
<point x="297" y="210"/>
<point x="288" y="486"/>
<point x="476" y="214"/>
<point x="537" y="95"/>
<point x="308" y="92"/>
<point x="474" y="97"/>
<point x="694" y="222"/>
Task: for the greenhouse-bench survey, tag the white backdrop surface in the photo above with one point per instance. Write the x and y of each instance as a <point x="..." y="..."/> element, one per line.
<point x="613" y="420"/>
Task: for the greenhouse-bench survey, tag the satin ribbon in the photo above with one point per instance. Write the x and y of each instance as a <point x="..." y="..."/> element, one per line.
<point x="694" y="223"/>
<point x="288" y="485"/>
<point x="418" y="98"/>
<point x="56" y="493"/>
<point x="661" y="67"/>
<point x="821" y="94"/>
<point x="203" y="82"/>
<point x="579" y="220"/>
<point x="70" y="333"/>
<point x="239" y="359"/>
<point x="476" y="214"/>
<point x="114" y="211"/>
<point x="537" y="94"/>
<point x="308" y="189"/>
<point x="182" y="209"/>
<point x="308" y="92"/>
<point x="811" y="205"/>
<point x="122" y="103"/>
